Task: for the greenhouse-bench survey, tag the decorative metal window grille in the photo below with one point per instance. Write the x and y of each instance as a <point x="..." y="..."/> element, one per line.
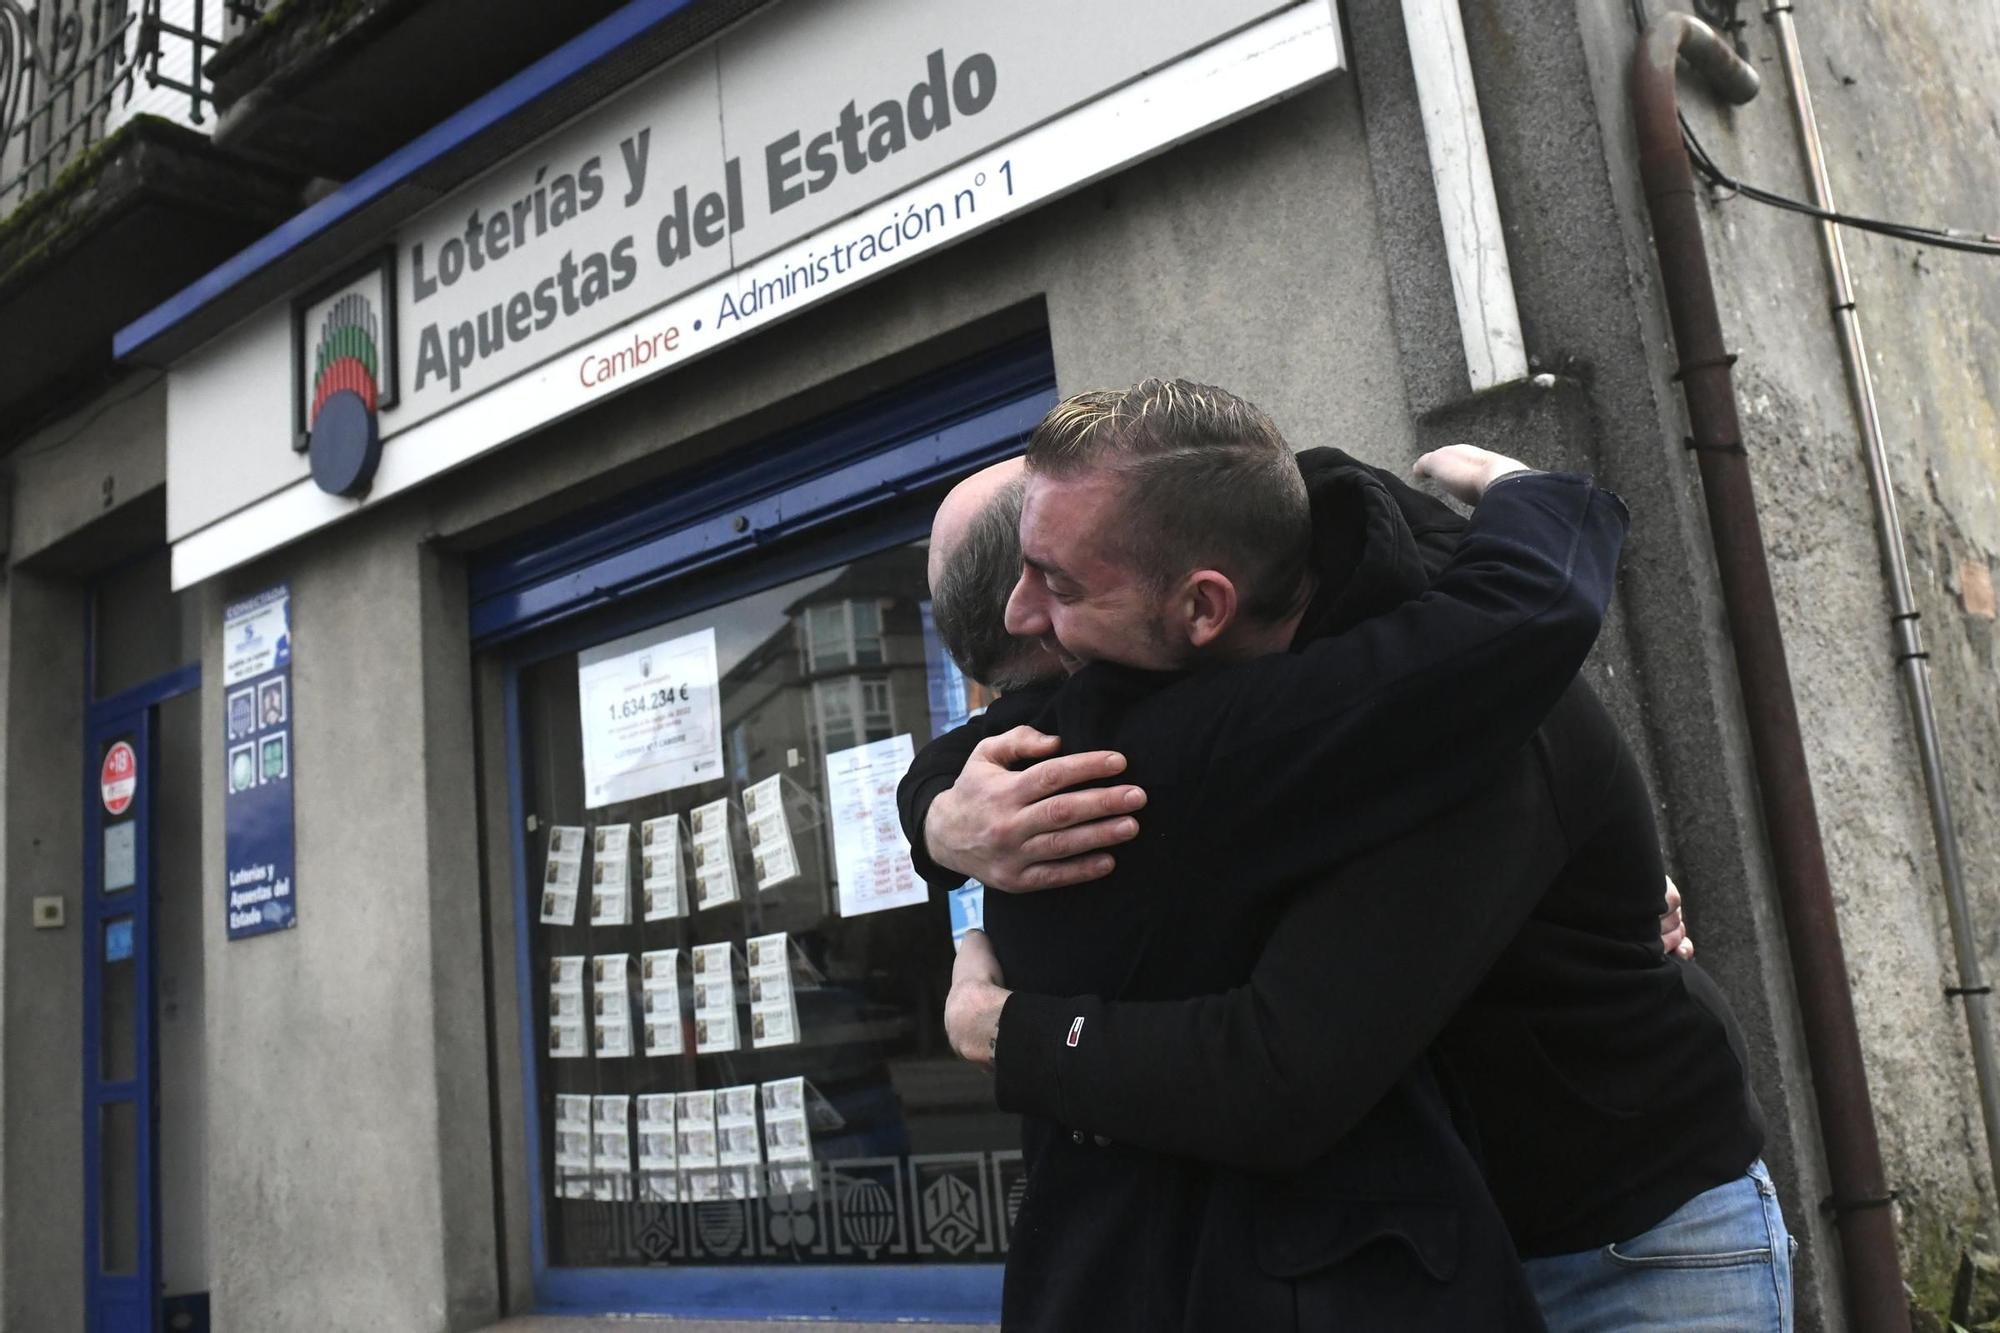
<point x="69" y="69"/>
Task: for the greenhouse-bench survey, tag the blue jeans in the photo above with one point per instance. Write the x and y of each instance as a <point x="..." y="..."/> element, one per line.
<point x="1721" y="1264"/>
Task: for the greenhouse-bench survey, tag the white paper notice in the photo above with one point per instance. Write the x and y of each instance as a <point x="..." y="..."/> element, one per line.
<point x="660" y="1000"/>
<point x="714" y="999"/>
<point x="771" y="850"/>
<point x="694" y="1135"/>
<point x="256" y="635"/>
<point x="572" y="1146"/>
<point x="611" y="1148"/>
<point x="566" y="1021"/>
<point x="774" y="1014"/>
<point x="659" y="1155"/>
<point x="652" y="715"/>
<point x="611" y="875"/>
<point x="612" y="1005"/>
<point x="563" y="874"/>
<point x="714" y="863"/>
<point x="660" y="868"/>
<point x="871" y="858"/>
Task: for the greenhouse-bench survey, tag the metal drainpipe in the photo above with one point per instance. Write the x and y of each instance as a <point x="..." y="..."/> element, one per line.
<point x="1871" y="1269"/>
<point x="1912" y="662"/>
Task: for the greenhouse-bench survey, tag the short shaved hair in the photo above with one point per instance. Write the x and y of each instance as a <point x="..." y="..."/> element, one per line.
<point x="969" y="602"/>
<point x="1210" y="482"/>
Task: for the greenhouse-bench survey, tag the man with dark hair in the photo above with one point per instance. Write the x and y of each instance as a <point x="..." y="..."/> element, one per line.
<point x="1607" y="1080"/>
<point x="980" y="520"/>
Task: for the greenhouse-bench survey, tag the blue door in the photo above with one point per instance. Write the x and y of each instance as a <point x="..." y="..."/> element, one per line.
<point x="121" y="1074"/>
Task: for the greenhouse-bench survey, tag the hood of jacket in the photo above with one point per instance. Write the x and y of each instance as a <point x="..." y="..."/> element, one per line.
<point x="1377" y="541"/>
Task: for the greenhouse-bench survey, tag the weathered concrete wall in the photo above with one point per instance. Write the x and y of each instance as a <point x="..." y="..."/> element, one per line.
<point x="1907" y="105"/>
<point x="83" y="492"/>
<point x="41" y="1033"/>
<point x="1551" y="91"/>
<point x="1908" y="97"/>
<point x="350" y="1180"/>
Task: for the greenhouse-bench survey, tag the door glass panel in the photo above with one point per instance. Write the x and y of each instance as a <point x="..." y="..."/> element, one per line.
<point x="118" y="1203"/>
<point x="121" y="855"/>
<point x="820" y="1116"/>
<point x="120" y="971"/>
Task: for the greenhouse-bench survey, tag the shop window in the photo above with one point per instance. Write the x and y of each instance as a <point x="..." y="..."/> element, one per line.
<point x="732" y="1017"/>
<point x="739" y="981"/>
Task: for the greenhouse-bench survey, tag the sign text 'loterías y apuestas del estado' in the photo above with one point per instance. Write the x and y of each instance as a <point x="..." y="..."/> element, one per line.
<point x="548" y="287"/>
<point x="804" y="151"/>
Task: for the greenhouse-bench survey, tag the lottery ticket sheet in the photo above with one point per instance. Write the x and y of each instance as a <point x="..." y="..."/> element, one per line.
<point x="611" y="875"/>
<point x="714" y="976"/>
<point x="773" y="856"/>
<point x="739" y="1153"/>
<point x="696" y="1146"/>
<point x="611" y="1004"/>
<point x="788" y="1137"/>
<point x="659" y="1156"/>
<point x="660" y="868"/>
<point x="611" y="1148"/>
<point x="660" y="1001"/>
<point x="562" y="874"/>
<point x="572" y="1140"/>
<point x="774" y="1010"/>
<point x="568" y="1033"/>
<point x="714" y="861"/>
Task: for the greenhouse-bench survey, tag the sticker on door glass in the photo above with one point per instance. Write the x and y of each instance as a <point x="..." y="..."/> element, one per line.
<point x="118" y="779"/>
<point x="121" y="856"/>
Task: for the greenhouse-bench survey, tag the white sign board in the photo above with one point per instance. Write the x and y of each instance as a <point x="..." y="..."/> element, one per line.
<point x="256" y="635"/>
<point x="652" y="715"/>
<point x="871" y="858"/>
<point x="810" y="149"/>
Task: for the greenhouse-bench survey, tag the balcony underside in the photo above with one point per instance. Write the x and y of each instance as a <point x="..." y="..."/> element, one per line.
<point x="131" y="221"/>
<point x="306" y="85"/>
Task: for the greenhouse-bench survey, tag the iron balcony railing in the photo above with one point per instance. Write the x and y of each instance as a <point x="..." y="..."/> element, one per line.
<point x="69" y="70"/>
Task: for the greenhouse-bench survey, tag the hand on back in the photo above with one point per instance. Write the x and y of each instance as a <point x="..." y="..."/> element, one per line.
<point x="1018" y="831"/>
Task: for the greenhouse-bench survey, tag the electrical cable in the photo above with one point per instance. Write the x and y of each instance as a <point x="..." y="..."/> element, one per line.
<point x="1944" y="238"/>
<point x="1978" y="243"/>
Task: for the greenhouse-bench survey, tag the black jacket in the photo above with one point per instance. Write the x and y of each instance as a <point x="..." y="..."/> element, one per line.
<point x="1239" y="764"/>
<point x="1606" y="1080"/>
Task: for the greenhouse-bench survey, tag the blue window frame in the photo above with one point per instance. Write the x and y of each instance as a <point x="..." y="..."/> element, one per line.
<point x="856" y="483"/>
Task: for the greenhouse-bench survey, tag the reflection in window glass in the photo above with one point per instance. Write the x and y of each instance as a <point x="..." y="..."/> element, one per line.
<point x="865" y="621"/>
<point x="119" y="1040"/>
<point x="118" y="1207"/>
<point x="865" y="1140"/>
